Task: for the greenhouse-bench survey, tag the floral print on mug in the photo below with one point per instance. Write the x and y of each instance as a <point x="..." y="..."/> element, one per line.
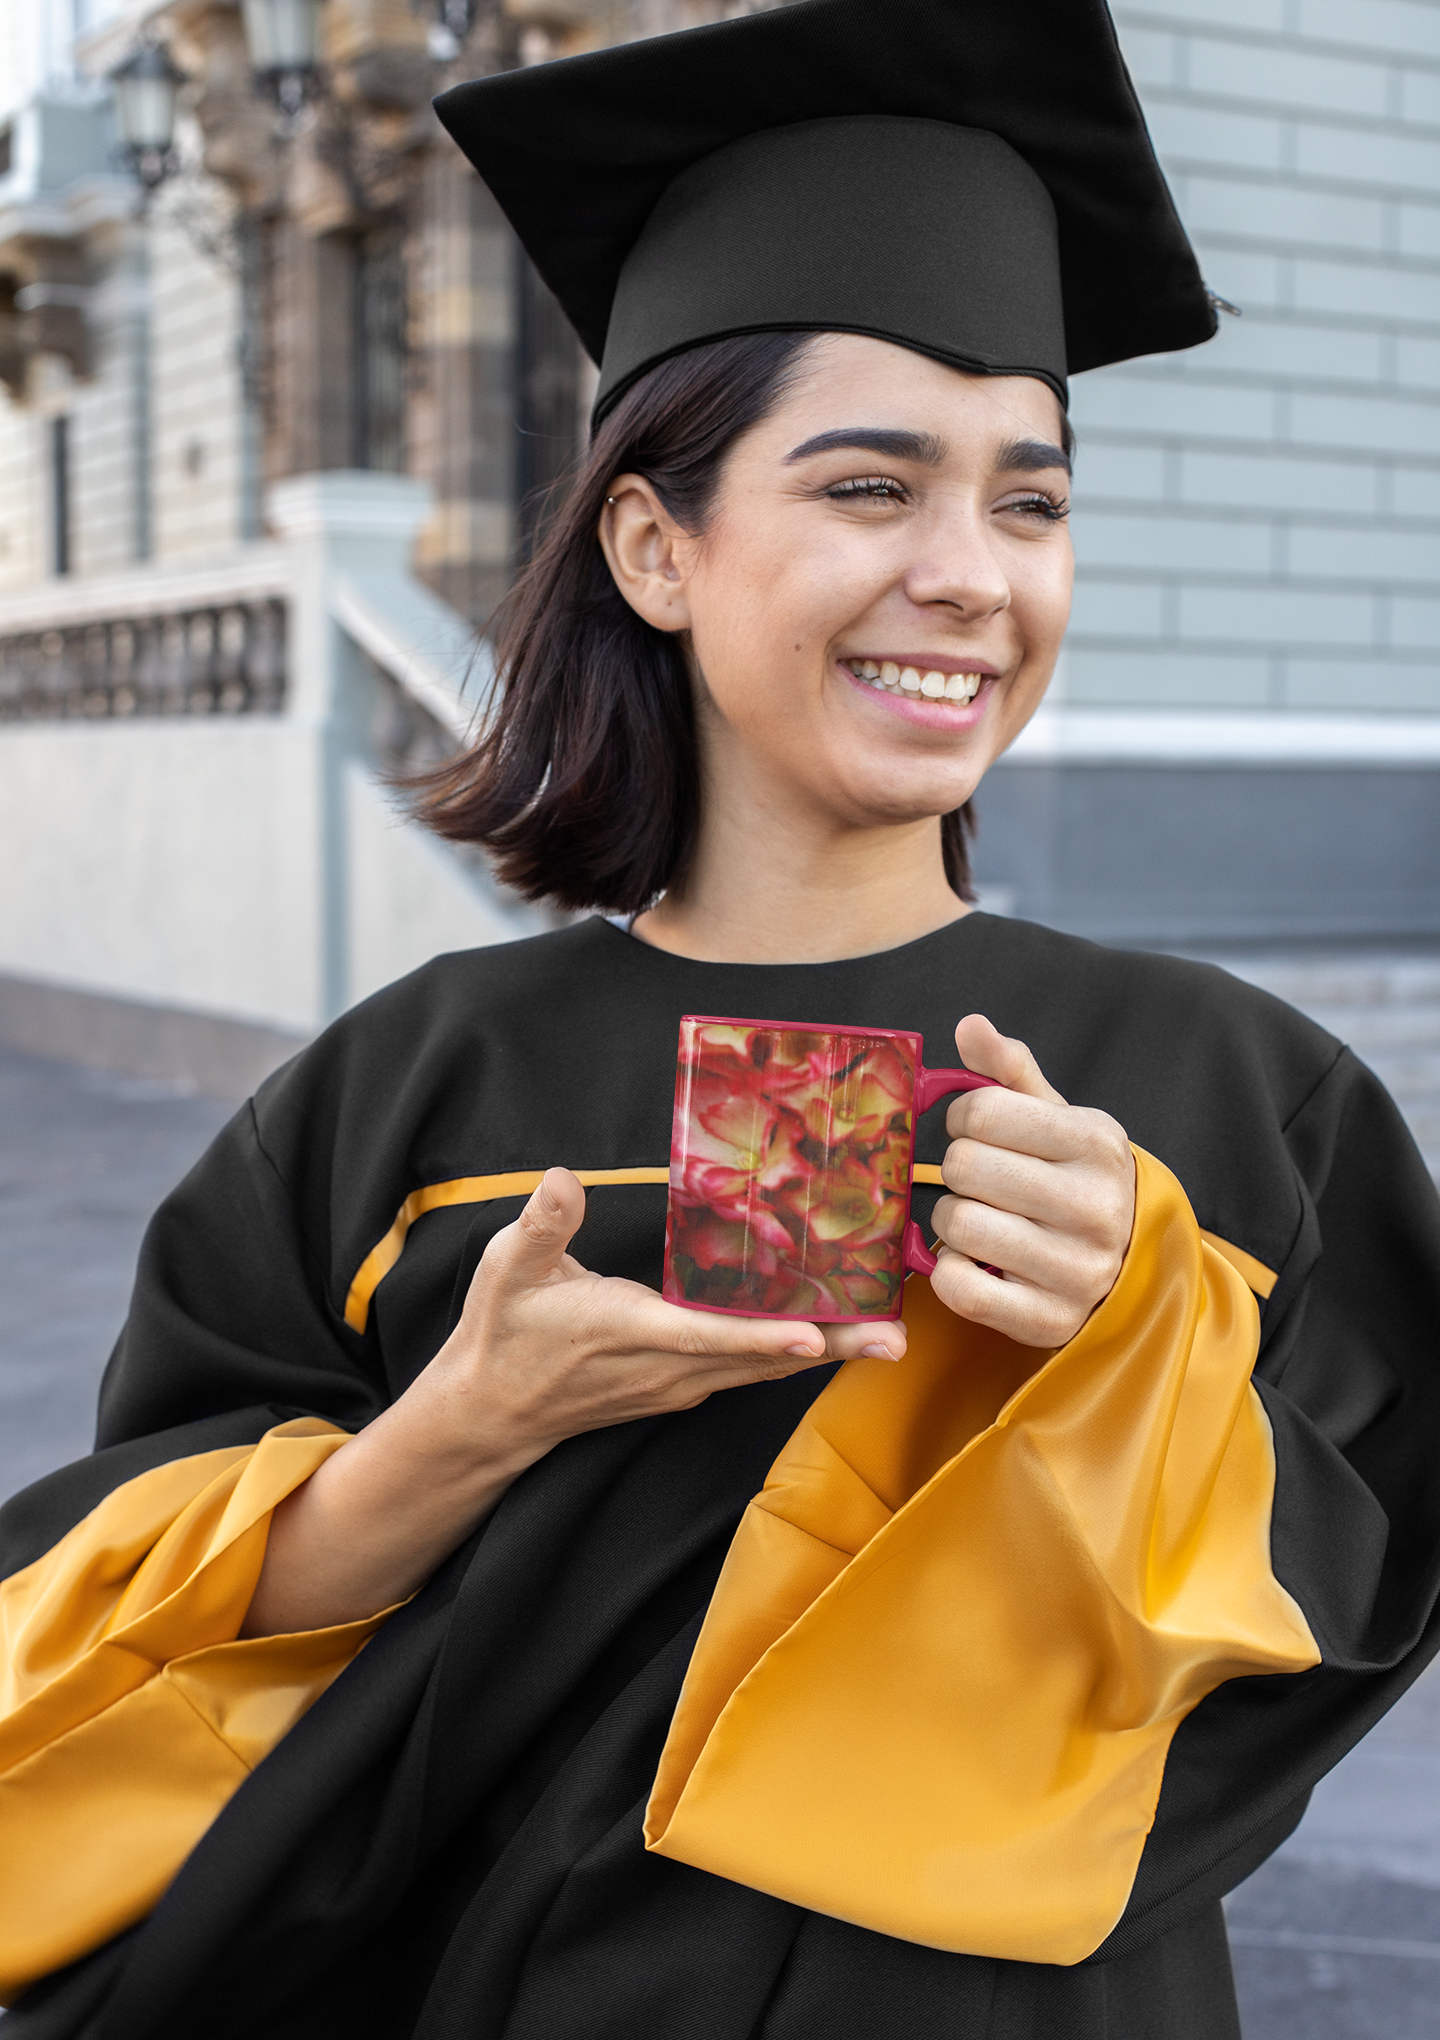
<point x="790" y="1169"/>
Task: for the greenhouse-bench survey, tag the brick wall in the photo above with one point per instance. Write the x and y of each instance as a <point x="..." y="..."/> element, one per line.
<point x="1257" y="523"/>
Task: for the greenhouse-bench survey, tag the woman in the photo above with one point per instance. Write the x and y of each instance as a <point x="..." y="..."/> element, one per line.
<point x="358" y="1683"/>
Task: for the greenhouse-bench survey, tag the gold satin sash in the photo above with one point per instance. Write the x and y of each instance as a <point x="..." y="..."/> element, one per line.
<point x="981" y="1589"/>
<point x="130" y="1709"/>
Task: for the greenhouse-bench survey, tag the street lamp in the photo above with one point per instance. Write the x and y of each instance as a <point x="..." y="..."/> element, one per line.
<point x="146" y="88"/>
<point x="453" y="20"/>
<point x="283" y="38"/>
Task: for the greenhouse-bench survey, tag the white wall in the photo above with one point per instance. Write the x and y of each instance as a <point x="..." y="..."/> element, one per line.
<point x="176" y="863"/>
<point x="196" y="449"/>
<point x="180" y="864"/>
<point x="409" y="897"/>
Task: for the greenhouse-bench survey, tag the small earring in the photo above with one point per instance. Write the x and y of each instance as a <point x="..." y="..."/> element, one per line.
<point x="609" y="499"/>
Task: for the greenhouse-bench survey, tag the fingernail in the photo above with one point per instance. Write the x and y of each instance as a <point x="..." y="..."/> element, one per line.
<point x="804" y="1352"/>
<point x="878" y="1353"/>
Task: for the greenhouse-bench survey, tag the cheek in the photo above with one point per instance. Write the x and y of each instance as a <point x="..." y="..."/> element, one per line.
<point x="1041" y="585"/>
<point x="763" y="615"/>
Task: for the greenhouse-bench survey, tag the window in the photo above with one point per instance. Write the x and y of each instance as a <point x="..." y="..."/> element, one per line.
<point x="60" y="494"/>
<point x="380" y="350"/>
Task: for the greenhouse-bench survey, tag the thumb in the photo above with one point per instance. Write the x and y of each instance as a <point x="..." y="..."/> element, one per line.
<point x="537" y="1241"/>
<point x="984" y="1049"/>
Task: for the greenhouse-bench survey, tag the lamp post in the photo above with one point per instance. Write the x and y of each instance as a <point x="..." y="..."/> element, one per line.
<point x="146" y="88"/>
<point x="283" y="39"/>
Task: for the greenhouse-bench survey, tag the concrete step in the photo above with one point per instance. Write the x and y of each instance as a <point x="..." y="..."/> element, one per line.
<point x="1376" y="1030"/>
<point x="1312" y="983"/>
<point x="1405" y="1076"/>
<point x="1423" y="1117"/>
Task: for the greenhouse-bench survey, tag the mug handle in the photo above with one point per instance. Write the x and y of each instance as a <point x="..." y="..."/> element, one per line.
<point x="930" y="1087"/>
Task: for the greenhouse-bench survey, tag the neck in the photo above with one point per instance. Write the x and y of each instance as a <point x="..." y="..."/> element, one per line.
<point x="767" y="885"/>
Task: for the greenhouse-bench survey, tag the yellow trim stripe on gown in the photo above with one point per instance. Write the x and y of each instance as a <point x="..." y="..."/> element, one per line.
<point x="520" y="1182"/>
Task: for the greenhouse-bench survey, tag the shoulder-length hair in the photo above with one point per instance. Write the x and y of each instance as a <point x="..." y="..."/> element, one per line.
<point x="584" y="783"/>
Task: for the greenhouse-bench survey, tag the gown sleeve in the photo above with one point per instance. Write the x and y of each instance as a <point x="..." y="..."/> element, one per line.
<point x="130" y="1707"/>
<point x="1349" y="1374"/>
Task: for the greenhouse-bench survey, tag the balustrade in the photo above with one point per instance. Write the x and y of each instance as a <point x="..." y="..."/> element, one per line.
<point x="221" y="659"/>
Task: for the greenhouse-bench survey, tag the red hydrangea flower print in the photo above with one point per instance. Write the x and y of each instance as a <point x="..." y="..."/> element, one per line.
<point x="789" y="1170"/>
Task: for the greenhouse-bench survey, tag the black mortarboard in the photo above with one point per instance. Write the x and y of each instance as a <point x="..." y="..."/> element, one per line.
<point x="970" y="178"/>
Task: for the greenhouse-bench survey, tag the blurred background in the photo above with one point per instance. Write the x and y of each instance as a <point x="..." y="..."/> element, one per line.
<point x="279" y="400"/>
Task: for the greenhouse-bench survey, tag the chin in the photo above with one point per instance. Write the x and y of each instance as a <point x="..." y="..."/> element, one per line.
<point x="903" y="811"/>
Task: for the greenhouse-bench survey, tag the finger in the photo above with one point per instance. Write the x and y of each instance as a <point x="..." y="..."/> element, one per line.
<point x="1011" y="1181"/>
<point x="883" y="1339"/>
<point x="1067" y="1267"/>
<point x="532" y="1250"/>
<point x="1029" y="1316"/>
<point x="1028" y="1185"/>
<point x="744" y="1371"/>
<point x="1029" y="1126"/>
<point x="984" y="1049"/>
<point x="647" y="1320"/>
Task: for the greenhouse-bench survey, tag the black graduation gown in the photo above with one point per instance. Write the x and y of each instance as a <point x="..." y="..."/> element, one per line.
<point x="449" y="1843"/>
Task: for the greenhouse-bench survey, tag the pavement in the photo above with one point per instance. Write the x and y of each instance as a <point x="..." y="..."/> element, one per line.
<point x="85" y="1156"/>
<point x="1336" y="1938"/>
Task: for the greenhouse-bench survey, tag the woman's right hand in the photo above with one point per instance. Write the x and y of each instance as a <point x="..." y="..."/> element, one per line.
<point x="544" y="1350"/>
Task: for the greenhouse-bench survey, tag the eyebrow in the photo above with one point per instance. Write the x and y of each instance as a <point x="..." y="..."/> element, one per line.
<point x="1017" y="456"/>
<point x="1030" y="457"/>
<point x="895" y="445"/>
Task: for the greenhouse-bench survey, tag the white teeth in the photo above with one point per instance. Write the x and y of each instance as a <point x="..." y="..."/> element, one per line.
<point x="934" y="685"/>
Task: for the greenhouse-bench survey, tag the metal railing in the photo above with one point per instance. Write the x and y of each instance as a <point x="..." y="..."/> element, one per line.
<point x="224" y="658"/>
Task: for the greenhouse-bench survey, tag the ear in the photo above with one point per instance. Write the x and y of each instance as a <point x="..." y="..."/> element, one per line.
<point x="647" y="552"/>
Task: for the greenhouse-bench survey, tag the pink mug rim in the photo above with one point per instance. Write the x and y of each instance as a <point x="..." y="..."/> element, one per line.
<point x="805" y="1027"/>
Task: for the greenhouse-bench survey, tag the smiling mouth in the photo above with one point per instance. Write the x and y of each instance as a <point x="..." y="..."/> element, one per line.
<point x="889" y="678"/>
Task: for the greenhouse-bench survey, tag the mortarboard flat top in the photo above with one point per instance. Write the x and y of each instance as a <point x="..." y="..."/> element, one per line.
<point x="971" y="178"/>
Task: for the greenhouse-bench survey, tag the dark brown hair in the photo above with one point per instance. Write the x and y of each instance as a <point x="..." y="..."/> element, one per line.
<point x="584" y="783"/>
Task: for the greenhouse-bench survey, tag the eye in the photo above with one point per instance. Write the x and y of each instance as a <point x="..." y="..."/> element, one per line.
<point x="1051" y="509"/>
<point x="868" y="489"/>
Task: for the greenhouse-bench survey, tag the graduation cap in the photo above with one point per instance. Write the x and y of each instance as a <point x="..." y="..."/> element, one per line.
<point x="970" y="178"/>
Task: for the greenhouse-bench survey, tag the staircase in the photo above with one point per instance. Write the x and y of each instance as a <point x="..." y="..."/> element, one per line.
<point x="1386" y="1007"/>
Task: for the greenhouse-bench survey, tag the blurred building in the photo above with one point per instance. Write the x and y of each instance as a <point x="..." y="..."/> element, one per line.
<point x="1245" y="742"/>
<point x="330" y="290"/>
<point x="272" y="443"/>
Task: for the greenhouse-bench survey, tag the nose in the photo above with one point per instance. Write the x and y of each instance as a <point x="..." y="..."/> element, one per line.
<point x="960" y="569"/>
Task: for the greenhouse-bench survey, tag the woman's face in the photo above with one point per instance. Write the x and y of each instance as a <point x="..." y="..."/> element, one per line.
<point x="877" y="604"/>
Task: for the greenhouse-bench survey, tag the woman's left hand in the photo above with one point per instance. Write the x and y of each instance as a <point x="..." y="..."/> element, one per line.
<point x="1042" y="1190"/>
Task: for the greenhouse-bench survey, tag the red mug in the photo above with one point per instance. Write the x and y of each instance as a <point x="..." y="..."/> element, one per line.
<point x="790" y="1160"/>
